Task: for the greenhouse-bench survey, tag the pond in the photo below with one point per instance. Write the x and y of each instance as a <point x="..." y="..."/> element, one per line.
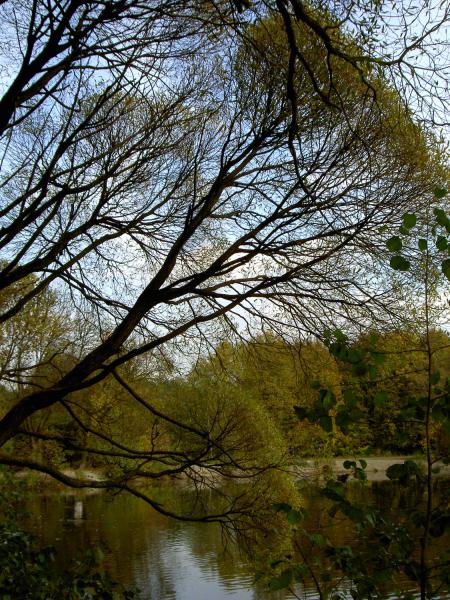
<point x="164" y="558"/>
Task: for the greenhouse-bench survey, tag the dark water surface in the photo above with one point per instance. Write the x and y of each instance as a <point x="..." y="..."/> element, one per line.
<point x="166" y="559"/>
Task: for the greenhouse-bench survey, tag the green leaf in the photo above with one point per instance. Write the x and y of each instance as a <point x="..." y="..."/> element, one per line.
<point x="273" y="564"/>
<point x="282" y="581"/>
<point x="329" y="400"/>
<point x="354" y="513"/>
<point x="294" y="516"/>
<point x="363" y="463"/>
<point x="343" y="420"/>
<point x="394" y="244"/>
<point x="395" y="471"/>
<point x="360" y="369"/>
<point x="446" y="268"/>
<point x="423" y="244"/>
<point x="399" y="263"/>
<point x="380" y="399"/>
<point x="441" y="217"/>
<point x="440" y="522"/>
<point x="378" y="358"/>
<point x="349" y="397"/>
<point x="339" y="335"/>
<point x="441" y="243"/>
<point x="403" y="472"/>
<point x="371" y="518"/>
<point x="434" y="378"/>
<point x="349" y="464"/>
<point x="300" y="571"/>
<point x="409" y="220"/>
<point x="334" y="490"/>
<point x="355" y="355"/>
<point x="326" y="423"/>
<point x="439" y="192"/>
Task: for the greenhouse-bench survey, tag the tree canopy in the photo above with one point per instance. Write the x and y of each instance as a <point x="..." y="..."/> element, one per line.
<point x="183" y="172"/>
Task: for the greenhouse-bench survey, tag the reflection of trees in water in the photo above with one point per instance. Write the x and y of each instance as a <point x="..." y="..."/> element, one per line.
<point x="144" y="548"/>
<point x="141" y="547"/>
<point x="396" y="504"/>
<point x="163" y="557"/>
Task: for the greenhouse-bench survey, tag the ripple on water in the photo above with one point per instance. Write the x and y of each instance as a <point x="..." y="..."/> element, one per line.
<point x="165" y="559"/>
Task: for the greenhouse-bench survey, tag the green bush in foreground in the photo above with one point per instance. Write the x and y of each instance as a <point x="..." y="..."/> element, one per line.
<point x="29" y="572"/>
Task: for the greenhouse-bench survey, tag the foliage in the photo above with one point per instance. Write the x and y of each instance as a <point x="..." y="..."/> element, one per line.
<point x="230" y="169"/>
<point x="387" y="547"/>
<point x="29" y="571"/>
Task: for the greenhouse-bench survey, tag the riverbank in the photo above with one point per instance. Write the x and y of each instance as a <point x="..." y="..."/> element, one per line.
<point x="375" y="469"/>
<point x="315" y="469"/>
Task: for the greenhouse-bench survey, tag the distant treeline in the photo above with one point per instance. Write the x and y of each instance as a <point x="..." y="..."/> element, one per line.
<point x="243" y="394"/>
<point x="276" y="377"/>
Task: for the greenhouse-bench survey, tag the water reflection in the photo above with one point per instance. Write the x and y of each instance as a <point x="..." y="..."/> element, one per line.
<point x="166" y="559"/>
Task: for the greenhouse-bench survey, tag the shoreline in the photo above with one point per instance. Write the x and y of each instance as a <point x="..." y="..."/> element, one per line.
<point x="375" y="469"/>
<point x="306" y="469"/>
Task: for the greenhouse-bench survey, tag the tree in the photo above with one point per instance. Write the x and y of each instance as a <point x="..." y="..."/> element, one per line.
<point x="276" y="377"/>
<point x="176" y="168"/>
<point x="33" y="339"/>
<point x="408" y="543"/>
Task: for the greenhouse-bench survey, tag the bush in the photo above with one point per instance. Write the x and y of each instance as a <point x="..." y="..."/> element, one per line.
<point x="29" y="572"/>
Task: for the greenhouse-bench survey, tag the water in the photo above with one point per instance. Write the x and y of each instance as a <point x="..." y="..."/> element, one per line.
<point x="164" y="558"/>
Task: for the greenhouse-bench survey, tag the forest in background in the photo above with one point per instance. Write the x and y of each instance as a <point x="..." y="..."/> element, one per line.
<point x="260" y="389"/>
<point x="259" y="195"/>
<point x="224" y="241"/>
